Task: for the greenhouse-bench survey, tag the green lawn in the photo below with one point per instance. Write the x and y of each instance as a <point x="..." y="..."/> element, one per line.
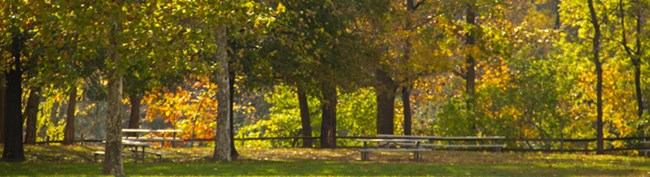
<point x="74" y="161"/>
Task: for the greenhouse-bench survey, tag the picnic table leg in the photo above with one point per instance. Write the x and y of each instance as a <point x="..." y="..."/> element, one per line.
<point x="364" y="155"/>
<point x="416" y="155"/>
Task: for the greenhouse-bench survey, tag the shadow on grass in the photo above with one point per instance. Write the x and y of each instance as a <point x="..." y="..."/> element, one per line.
<point x="313" y="168"/>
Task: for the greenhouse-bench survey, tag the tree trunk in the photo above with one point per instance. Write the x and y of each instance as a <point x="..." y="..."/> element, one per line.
<point x="556" y="11"/>
<point x="304" y="117"/>
<point x="470" y="69"/>
<point x="3" y="88"/>
<point x="328" y="106"/>
<point x="134" y="115"/>
<point x="385" y="102"/>
<point x="32" y="115"/>
<point x="406" y="90"/>
<point x="222" y="149"/>
<point x="231" y="89"/>
<point x="599" y="77"/>
<point x="68" y="137"/>
<point x="113" y="164"/>
<point x="13" y="135"/>
<point x="635" y="55"/>
<point x="406" y="94"/>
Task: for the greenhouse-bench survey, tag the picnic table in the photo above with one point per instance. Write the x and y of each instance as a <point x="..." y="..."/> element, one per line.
<point x="139" y="135"/>
<point x="391" y="145"/>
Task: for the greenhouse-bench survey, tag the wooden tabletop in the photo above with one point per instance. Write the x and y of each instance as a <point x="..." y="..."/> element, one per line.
<point x="150" y="131"/>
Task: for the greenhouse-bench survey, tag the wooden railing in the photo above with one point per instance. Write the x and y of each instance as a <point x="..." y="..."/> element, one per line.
<point x="513" y="144"/>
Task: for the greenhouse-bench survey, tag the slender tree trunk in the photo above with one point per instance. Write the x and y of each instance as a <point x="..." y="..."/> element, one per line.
<point x="304" y="117"/>
<point x="222" y="149"/>
<point x="231" y="89"/>
<point x="328" y="125"/>
<point x="406" y="90"/>
<point x="470" y="68"/>
<point x="635" y="55"/>
<point x="68" y="137"/>
<point x="599" y="77"/>
<point x="385" y="103"/>
<point x="32" y="115"/>
<point x="556" y="11"/>
<point x="406" y="93"/>
<point x="134" y="115"/>
<point x="2" y="107"/>
<point x="13" y="135"/>
<point x="113" y="164"/>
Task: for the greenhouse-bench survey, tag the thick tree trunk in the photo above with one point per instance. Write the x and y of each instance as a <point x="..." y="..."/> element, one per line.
<point x="328" y="125"/>
<point x="599" y="78"/>
<point x="385" y="103"/>
<point x="134" y="115"/>
<point x="32" y="115"/>
<point x="470" y="64"/>
<point x="113" y="164"/>
<point x="2" y="107"/>
<point x="406" y="101"/>
<point x="231" y="89"/>
<point x="13" y="135"/>
<point x="304" y="117"/>
<point x="68" y="137"/>
<point x="222" y="149"/>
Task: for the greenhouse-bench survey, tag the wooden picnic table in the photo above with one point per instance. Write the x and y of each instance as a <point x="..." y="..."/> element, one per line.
<point x="391" y="145"/>
<point x="140" y="132"/>
<point x="136" y="147"/>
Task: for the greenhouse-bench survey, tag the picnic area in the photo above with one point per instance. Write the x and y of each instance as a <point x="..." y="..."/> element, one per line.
<point x="324" y="88"/>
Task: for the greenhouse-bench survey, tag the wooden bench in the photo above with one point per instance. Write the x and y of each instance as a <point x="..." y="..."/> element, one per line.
<point x="646" y="145"/>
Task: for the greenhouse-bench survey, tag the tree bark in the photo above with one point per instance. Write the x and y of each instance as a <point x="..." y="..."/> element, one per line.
<point x="470" y="64"/>
<point x="134" y="115"/>
<point x="599" y="77"/>
<point x="222" y="149"/>
<point x="328" y="106"/>
<point x="113" y="164"/>
<point x="231" y="89"/>
<point x="385" y="102"/>
<point x="2" y="106"/>
<point x="304" y="117"/>
<point x="556" y="11"/>
<point x="32" y="115"/>
<point x="13" y="132"/>
<point x="635" y="55"/>
<point x="68" y="137"/>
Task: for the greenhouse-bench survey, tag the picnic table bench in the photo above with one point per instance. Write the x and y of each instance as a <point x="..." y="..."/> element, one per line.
<point x="138" y="150"/>
<point x="646" y="147"/>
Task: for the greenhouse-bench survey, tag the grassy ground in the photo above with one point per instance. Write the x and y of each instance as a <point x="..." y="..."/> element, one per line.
<point x="78" y="161"/>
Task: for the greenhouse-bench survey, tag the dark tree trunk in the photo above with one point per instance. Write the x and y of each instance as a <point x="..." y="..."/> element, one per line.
<point x="385" y="103"/>
<point x="134" y="115"/>
<point x="2" y="107"/>
<point x="231" y="85"/>
<point x="68" y="137"/>
<point x="13" y="135"/>
<point x="556" y="11"/>
<point x="32" y="115"/>
<point x="406" y="94"/>
<point x="222" y="149"/>
<point x="599" y="77"/>
<point x="304" y="117"/>
<point x="328" y="106"/>
<point x="470" y="69"/>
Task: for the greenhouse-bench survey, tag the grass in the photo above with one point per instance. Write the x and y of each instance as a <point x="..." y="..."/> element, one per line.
<point x="77" y="161"/>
